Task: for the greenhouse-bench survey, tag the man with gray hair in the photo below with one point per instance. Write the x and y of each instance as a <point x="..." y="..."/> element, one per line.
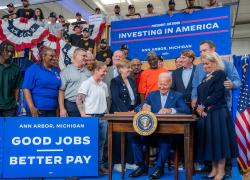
<point x="71" y="77"/>
<point x="162" y="101"/>
<point x="112" y="71"/>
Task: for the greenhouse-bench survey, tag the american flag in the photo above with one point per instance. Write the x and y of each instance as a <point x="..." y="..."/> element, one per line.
<point x="243" y="123"/>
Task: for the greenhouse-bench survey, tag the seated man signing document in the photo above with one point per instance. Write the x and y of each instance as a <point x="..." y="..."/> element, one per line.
<point x="162" y="101"/>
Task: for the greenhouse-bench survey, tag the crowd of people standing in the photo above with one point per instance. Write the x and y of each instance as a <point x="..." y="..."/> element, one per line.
<point x="88" y="87"/>
<point x="112" y="82"/>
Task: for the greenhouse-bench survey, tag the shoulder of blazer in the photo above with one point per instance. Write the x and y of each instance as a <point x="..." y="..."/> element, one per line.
<point x="219" y="74"/>
<point x="118" y="80"/>
<point x="131" y="80"/>
<point x="177" y="71"/>
<point x="154" y="93"/>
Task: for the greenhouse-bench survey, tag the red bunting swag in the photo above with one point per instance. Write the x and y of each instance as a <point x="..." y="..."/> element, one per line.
<point x="22" y="33"/>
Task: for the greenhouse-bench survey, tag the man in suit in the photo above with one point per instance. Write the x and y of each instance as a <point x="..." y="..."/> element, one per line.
<point x="161" y="101"/>
<point x="182" y="77"/>
<point x="182" y="82"/>
<point x="113" y="72"/>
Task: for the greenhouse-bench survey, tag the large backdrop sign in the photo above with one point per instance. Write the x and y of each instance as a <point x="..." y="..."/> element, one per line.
<point x="49" y="147"/>
<point x="169" y="35"/>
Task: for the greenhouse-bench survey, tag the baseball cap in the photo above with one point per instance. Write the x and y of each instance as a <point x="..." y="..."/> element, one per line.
<point x="149" y="5"/>
<point x="85" y="29"/>
<point x="124" y="46"/>
<point x="131" y="6"/>
<point x="78" y="14"/>
<point x="52" y="14"/>
<point x="160" y="57"/>
<point x="171" y="2"/>
<point x="151" y="53"/>
<point x="10" y="5"/>
<point x="104" y="41"/>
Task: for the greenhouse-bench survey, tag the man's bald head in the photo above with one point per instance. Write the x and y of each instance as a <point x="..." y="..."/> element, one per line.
<point x="117" y="56"/>
<point x="136" y="66"/>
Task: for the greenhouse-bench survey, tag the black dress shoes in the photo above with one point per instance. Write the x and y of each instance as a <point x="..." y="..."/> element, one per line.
<point x="157" y="173"/>
<point x="140" y="171"/>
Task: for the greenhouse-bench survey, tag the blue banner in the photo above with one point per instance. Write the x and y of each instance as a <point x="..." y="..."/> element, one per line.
<point x="169" y="35"/>
<point x="50" y="147"/>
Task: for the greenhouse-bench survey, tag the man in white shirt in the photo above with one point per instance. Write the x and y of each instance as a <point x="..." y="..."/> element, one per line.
<point x="54" y="27"/>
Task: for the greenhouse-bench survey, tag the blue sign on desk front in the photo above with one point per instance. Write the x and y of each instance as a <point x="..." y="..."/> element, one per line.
<point x="50" y="147"/>
<point x="169" y="35"/>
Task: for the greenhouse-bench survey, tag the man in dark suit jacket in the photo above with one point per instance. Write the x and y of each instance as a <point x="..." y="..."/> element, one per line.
<point x="182" y="77"/>
<point x="113" y="72"/>
<point x="162" y="101"/>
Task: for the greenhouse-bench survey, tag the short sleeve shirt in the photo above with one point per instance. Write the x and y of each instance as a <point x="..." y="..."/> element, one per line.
<point x="96" y="96"/>
<point x="43" y="85"/>
<point x="86" y="44"/>
<point x="74" y="39"/>
<point x="25" y="13"/>
<point x="103" y="55"/>
<point x="71" y="78"/>
<point x="54" y="28"/>
<point x="149" y="80"/>
<point x="10" y="79"/>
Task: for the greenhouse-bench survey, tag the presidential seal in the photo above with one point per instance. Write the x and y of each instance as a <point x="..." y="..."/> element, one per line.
<point x="145" y="123"/>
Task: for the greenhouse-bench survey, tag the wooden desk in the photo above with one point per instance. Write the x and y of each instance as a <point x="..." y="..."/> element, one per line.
<point x="167" y="124"/>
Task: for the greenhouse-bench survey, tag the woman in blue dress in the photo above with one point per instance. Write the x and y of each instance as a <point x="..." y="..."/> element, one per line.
<point x="216" y="139"/>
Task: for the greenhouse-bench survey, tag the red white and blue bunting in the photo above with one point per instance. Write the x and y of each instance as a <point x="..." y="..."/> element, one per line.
<point x="24" y="33"/>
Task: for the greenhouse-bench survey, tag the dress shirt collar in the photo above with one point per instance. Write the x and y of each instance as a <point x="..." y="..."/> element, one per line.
<point x="188" y="68"/>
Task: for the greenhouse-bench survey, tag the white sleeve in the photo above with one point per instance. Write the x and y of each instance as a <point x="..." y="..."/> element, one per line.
<point x="84" y="87"/>
<point x="106" y="90"/>
<point x="173" y="111"/>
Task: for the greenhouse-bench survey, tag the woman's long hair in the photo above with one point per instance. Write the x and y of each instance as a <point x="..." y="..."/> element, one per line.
<point x="41" y="14"/>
